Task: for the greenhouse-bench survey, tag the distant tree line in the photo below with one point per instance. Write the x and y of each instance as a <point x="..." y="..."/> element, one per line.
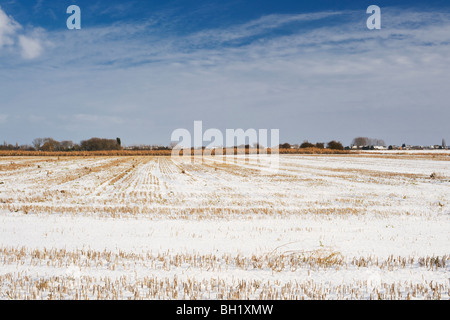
<point x="101" y="144"/>
<point x="144" y="147"/>
<point x="334" y="145"/>
<point x="50" y="144"/>
<point x="8" y="146"/>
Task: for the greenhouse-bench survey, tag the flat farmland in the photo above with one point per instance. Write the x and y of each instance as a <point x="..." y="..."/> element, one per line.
<point x="349" y="226"/>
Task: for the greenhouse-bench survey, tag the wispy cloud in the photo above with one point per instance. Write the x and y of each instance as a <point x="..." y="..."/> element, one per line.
<point x="8" y="28"/>
<point x="258" y="27"/>
<point x="12" y="36"/>
<point x="31" y="48"/>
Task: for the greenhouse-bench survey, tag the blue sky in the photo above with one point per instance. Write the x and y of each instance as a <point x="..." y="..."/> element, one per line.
<point x="141" y="69"/>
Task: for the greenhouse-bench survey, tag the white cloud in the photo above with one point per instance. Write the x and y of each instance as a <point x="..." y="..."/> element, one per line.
<point x="30" y="48"/>
<point x="8" y="28"/>
<point x="11" y="33"/>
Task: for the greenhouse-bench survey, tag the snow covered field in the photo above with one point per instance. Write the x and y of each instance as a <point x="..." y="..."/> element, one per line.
<point x="365" y="226"/>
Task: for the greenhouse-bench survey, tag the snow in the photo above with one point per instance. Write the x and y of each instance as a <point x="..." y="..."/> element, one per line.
<point x="323" y="227"/>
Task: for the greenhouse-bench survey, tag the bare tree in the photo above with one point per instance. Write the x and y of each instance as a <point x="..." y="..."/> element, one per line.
<point x="37" y="143"/>
<point x="376" y="142"/>
<point x="360" y="141"/>
<point x="66" y="145"/>
<point x="50" y="144"/>
<point x="365" y="142"/>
